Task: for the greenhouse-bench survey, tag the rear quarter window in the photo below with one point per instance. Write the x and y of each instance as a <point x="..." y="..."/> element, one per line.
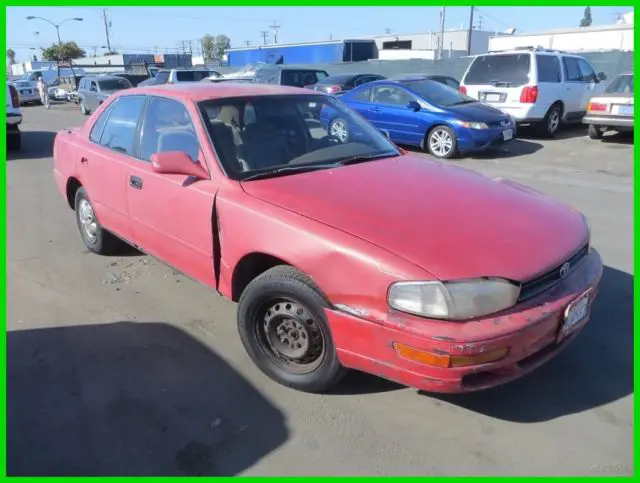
<point x="512" y="69"/>
<point x="548" y="68"/>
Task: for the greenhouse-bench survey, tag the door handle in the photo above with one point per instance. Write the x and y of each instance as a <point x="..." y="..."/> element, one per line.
<point x="84" y="161"/>
<point x="375" y="109"/>
<point x="135" y="182"/>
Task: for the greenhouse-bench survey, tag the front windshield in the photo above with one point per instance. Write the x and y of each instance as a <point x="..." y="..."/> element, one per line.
<point x="264" y="134"/>
<point x="439" y="94"/>
<point x="114" y="84"/>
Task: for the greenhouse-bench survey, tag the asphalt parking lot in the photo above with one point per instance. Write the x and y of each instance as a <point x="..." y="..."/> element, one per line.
<point x="122" y="366"/>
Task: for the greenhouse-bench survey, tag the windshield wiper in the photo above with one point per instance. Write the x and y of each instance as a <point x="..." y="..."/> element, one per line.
<point x="288" y="170"/>
<point x="466" y="101"/>
<point x="365" y="157"/>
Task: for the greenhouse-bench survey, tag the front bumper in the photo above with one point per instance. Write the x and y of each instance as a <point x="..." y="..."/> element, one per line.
<point x="476" y="140"/>
<point x="13" y="119"/>
<point x="609" y="121"/>
<point x="529" y="331"/>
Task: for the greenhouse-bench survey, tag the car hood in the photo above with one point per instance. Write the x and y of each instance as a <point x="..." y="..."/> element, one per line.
<point x="452" y="222"/>
<point x="477" y="112"/>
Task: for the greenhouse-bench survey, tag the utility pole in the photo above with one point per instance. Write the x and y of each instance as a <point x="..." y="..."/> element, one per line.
<point x="264" y="34"/>
<point x="107" y="24"/>
<point x="480" y="23"/>
<point x="441" y="39"/>
<point x="470" y="32"/>
<point x="275" y="28"/>
<point x="247" y="43"/>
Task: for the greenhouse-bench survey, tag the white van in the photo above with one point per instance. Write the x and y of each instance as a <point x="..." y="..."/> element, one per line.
<point x="534" y="86"/>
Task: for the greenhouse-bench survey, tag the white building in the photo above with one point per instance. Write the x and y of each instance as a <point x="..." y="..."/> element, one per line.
<point x="579" y="39"/>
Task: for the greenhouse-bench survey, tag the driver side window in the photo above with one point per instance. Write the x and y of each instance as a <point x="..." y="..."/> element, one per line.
<point x="391" y="96"/>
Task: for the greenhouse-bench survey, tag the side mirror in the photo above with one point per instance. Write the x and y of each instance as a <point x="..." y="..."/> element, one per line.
<point x="177" y="162"/>
<point x="385" y="133"/>
<point x="601" y="76"/>
<point x="414" y="106"/>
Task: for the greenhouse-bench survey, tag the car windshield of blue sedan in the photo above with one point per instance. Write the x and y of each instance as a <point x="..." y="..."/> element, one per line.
<point x="263" y="136"/>
<point x="439" y="94"/>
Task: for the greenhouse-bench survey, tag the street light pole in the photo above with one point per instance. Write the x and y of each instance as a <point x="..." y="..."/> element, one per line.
<point x="57" y="27"/>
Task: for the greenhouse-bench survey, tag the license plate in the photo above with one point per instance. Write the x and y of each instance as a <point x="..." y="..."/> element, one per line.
<point x="507" y="134"/>
<point x="575" y="315"/>
<point x="625" y="110"/>
<point x="492" y="97"/>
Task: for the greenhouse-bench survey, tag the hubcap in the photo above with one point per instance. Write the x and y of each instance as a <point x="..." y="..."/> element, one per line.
<point x="339" y="130"/>
<point x="440" y="142"/>
<point x="88" y="220"/>
<point x="291" y="336"/>
<point x="554" y="120"/>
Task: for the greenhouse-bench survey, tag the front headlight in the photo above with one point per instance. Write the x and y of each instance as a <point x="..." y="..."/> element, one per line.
<point x="471" y="125"/>
<point x="453" y="300"/>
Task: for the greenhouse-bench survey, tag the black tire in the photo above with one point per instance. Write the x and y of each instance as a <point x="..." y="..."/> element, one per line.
<point x="83" y="109"/>
<point x="104" y="243"/>
<point x="438" y="131"/>
<point x="552" y="122"/>
<point x="595" y="132"/>
<point x="282" y="294"/>
<point x="344" y="128"/>
<point x="14" y="140"/>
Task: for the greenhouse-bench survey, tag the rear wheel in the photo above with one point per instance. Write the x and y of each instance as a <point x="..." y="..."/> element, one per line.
<point x="283" y="327"/>
<point x="595" y="132"/>
<point x="83" y="109"/>
<point x="550" y="125"/>
<point x="95" y="238"/>
<point x="442" y="142"/>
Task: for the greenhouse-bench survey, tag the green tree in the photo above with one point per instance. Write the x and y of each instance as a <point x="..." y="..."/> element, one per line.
<point x="11" y="55"/>
<point x="66" y="51"/>
<point x="221" y="43"/>
<point x="587" y="20"/>
<point x="208" y="47"/>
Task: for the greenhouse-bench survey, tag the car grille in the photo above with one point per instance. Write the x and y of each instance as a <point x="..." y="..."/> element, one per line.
<point x="549" y="279"/>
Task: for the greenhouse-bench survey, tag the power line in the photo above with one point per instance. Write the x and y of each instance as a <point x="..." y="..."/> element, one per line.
<point x="491" y="17"/>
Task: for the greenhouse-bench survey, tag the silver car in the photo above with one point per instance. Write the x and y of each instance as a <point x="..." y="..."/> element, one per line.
<point x="93" y="90"/>
<point x="613" y="109"/>
<point x="27" y="91"/>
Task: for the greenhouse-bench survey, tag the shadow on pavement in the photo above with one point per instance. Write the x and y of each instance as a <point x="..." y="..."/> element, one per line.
<point x="130" y="399"/>
<point x="515" y="148"/>
<point x="596" y="369"/>
<point x="567" y="131"/>
<point x="35" y="144"/>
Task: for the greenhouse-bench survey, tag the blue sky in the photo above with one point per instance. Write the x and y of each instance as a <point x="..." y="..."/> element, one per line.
<point x="145" y="29"/>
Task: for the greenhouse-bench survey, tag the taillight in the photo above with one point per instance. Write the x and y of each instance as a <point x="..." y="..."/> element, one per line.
<point x="463" y="90"/>
<point x="596" y="106"/>
<point x="15" y="100"/>
<point x="529" y="95"/>
<point x="333" y="89"/>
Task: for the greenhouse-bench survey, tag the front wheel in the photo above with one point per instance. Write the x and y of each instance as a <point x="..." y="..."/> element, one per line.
<point x="283" y="328"/>
<point x="595" y="132"/>
<point x="442" y="142"/>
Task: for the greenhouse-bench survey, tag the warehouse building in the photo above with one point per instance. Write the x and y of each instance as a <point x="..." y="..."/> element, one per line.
<point x="132" y="62"/>
<point x="579" y="39"/>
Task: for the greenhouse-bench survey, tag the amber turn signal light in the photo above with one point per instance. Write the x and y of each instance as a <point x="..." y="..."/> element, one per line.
<point x="446" y="360"/>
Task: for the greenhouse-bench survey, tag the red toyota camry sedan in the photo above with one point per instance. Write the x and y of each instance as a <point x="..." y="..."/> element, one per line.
<point x="340" y="254"/>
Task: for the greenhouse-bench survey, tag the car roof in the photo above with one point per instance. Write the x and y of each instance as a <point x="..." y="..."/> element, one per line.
<point x="197" y="91"/>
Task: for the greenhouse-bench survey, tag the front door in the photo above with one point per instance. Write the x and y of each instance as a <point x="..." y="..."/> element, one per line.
<point x="171" y="215"/>
<point x="394" y="115"/>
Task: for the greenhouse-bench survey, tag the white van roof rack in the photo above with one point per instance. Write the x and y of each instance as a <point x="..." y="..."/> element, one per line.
<point x="530" y="48"/>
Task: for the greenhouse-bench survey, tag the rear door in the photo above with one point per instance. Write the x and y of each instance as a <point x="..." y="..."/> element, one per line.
<point x="549" y="76"/>
<point x="498" y="79"/>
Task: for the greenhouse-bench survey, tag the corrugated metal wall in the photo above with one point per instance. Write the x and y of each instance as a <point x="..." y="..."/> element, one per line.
<point x="612" y="63"/>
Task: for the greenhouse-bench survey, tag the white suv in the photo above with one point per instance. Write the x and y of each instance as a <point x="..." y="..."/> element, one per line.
<point x="14" y="118"/>
<point x="534" y="86"/>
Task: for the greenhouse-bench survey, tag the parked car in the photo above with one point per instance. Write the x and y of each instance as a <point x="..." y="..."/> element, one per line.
<point x="14" y="118"/>
<point x="340" y="83"/>
<point x="424" y="113"/>
<point x="288" y="76"/>
<point x="56" y="91"/>
<point x="95" y="89"/>
<point x="175" y="76"/>
<point x="27" y="91"/>
<point x="443" y="79"/>
<point x="541" y="87"/>
<point x="340" y="255"/>
<point x="612" y="110"/>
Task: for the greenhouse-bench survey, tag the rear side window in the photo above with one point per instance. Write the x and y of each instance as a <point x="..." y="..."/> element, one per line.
<point x="504" y="69"/>
<point x="98" y="127"/>
<point x="587" y="72"/>
<point x="266" y="76"/>
<point x="120" y="129"/>
<point x="299" y="78"/>
<point x="548" y="68"/>
<point x="191" y="75"/>
<point x="363" y="95"/>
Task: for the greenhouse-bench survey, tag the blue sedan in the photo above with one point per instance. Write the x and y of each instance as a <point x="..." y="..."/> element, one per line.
<point x="424" y="113"/>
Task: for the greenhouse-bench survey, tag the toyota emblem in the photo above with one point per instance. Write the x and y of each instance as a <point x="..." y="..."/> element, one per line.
<point x="564" y="270"/>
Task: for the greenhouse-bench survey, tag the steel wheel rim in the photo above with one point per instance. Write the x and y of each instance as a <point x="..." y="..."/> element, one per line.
<point x="88" y="220"/>
<point x="339" y="130"/>
<point x="290" y="336"/>
<point x="440" y="142"/>
<point x="554" y="120"/>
